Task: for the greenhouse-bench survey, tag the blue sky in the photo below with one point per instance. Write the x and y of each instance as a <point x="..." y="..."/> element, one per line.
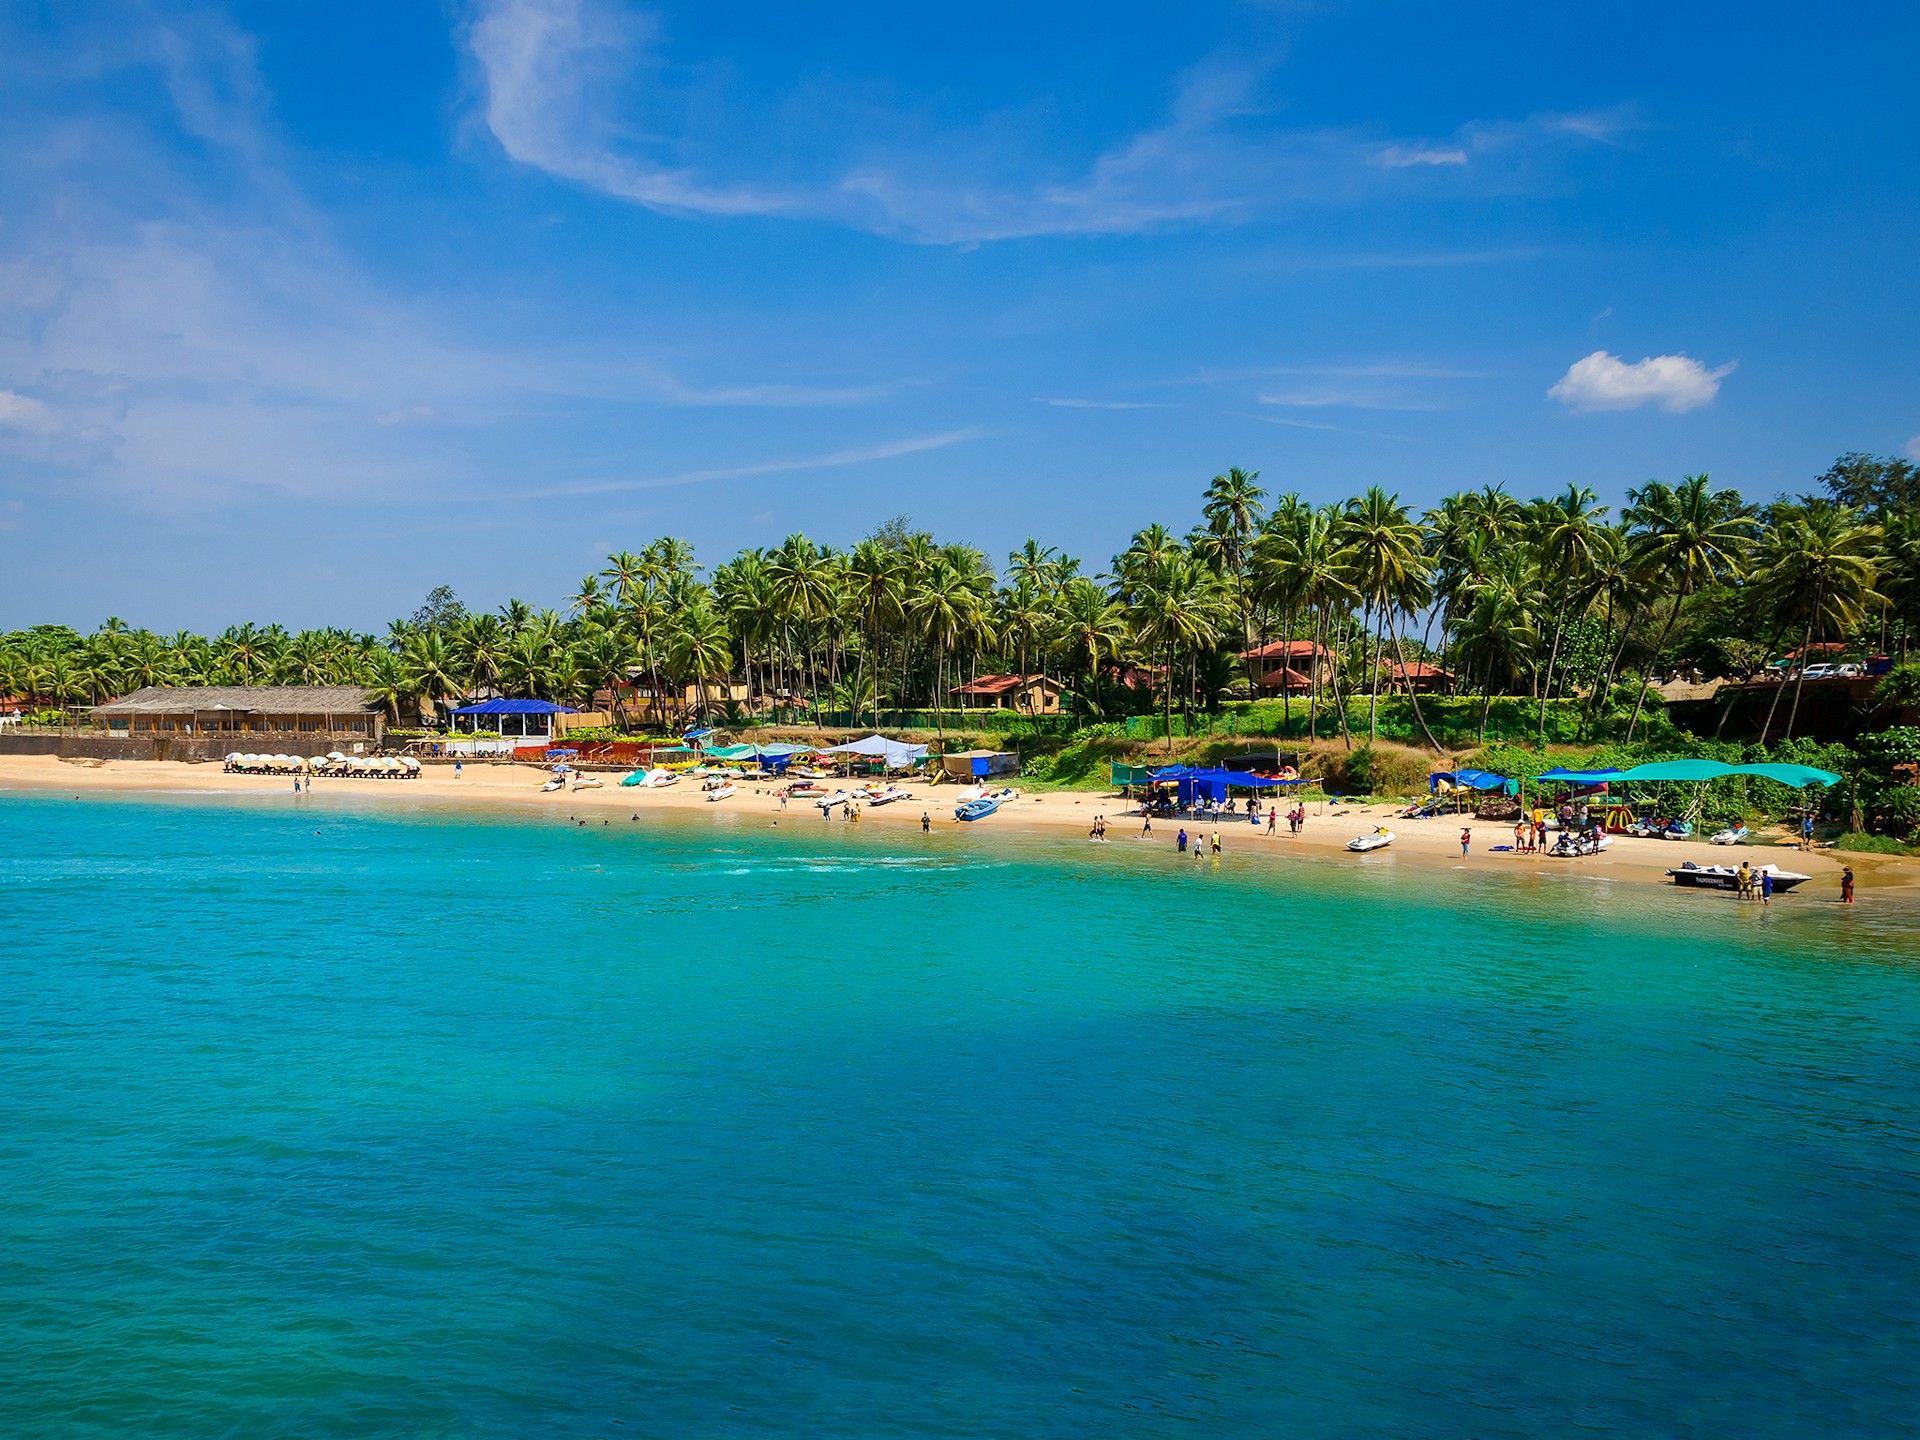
<point x="305" y="308"/>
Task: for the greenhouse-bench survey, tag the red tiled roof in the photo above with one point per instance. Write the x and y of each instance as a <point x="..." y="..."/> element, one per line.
<point x="1001" y="684"/>
<point x="1286" y="650"/>
<point x="1285" y="677"/>
<point x="1421" y="670"/>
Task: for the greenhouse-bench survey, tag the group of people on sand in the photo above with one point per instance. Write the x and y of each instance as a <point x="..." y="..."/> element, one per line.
<point x="1099" y="830"/>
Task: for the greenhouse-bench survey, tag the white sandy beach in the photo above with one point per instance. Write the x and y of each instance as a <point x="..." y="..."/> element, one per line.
<point x="1329" y="824"/>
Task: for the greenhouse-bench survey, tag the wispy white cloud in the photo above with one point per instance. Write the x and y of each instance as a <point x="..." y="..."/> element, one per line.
<point x="1913" y="448"/>
<point x="1346" y="397"/>
<point x="1066" y="403"/>
<point x="1675" y="383"/>
<point x="857" y="455"/>
<point x="23" y="412"/>
<point x="552" y="69"/>
<point x="1403" y="157"/>
<point x="584" y="90"/>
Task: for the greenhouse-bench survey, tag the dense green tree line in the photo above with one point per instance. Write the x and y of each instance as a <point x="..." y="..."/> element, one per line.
<point x="1554" y="598"/>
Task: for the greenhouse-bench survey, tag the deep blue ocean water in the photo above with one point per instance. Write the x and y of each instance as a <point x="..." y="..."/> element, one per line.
<point x="321" y="1121"/>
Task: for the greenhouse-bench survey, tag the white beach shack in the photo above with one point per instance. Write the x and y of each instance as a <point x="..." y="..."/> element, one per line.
<point x="518" y="722"/>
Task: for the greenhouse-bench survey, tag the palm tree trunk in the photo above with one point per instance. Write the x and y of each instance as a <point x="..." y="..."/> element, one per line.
<point x="1553" y="657"/>
<point x="1166" y="695"/>
<point x="1412" y="699"/>
<point x="1373" y="676"/>
<point x="1640" y="697"/>
<point x="1801" y="679"/>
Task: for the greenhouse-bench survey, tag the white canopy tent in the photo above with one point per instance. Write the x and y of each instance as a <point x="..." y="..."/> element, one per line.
<point x="897" y="754"/>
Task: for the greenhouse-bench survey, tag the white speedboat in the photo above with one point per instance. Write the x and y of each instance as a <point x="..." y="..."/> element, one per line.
<point x="1378" y="840"/>
<point x="1727" y="877"/>
<point x="717" y="787"/>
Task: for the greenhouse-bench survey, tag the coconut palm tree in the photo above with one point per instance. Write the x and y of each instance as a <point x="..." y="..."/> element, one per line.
<point x="875" y="591"/>
<point x="1568" y="542"/>
<point x="429" y="671"/>
<point x="945" y="605"/>
<point x="1090" y="630"/>
<point x="1817" y="560"/>
<point x="1391" y="567"/>
<point x="1176" y="606"/>
<point x="1683" y="536"/>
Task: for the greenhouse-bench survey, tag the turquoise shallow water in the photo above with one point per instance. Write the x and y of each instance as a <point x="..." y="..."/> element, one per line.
<point x="429" y="1124"/>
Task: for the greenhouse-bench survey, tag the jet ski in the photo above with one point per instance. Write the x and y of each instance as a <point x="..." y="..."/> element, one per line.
<point x="1378" y="840"/>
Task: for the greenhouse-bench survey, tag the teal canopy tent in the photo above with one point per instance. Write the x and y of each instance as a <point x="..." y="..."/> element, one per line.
<point x="1700" y="770"/>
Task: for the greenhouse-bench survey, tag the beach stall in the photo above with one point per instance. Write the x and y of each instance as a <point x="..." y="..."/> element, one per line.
<point x="890" y="754"/>
<point x="517" y="721"/>
<point x="1460" y="782"/>
<point x="980" y="764"/>
<point x="1209" y="787"/>
<point x="771" y="759"/>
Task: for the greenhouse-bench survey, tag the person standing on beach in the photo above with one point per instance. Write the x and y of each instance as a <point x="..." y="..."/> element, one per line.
<point x="1846" y="886"/>
<point x="1766" y="887"/>
<point x="1216" y="842"/>
<point x="1466" y="842"/>
<point x="1273" y="819"/>
<point x="456" y="767"/>
<point x="1180" y="841"/>
<point x="1146" y="824"/>
<point x="926" y="822"/>
<point x="1806" y="831"/>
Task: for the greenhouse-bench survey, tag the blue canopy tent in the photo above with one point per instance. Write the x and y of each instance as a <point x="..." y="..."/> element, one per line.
<point x="1473" y="780"/>
<point x="524" y="712"/>
<point x="1196" y="783"/>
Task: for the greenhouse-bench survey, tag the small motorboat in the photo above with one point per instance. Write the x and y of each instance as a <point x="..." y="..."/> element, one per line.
<point x="717" y="787"/>
<point x="1378" y="840"/>
<point x="803" y="787"/>
<point x="1727" y="877"/>
<point x="1575" y="842"/>
<point x="588" y="782"/>
<point x="828" y="803"/>
<point x="971" y="792"/>
<point x="977" y="808"/>
<point x="1732" y="835"/>
<point x="885" y="794"/>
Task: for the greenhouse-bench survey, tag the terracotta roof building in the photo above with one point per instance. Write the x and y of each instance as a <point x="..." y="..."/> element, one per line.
<point x="1282" y="665"/>
<point x="1030" y="694"/>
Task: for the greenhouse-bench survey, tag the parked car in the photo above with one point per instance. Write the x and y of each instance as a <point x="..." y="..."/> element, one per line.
<point x="1817" y="672"/>
<point x="1850" y="670"/>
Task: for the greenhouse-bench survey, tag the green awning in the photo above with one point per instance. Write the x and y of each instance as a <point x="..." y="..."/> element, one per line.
<point x="1131" y="774"/>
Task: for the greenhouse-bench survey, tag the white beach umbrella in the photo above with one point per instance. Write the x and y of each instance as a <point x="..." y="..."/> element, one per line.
<point x="318" y="762"/>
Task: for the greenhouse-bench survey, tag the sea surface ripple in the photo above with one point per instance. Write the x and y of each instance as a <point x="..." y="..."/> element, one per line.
<point x="318" y="1121"/>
